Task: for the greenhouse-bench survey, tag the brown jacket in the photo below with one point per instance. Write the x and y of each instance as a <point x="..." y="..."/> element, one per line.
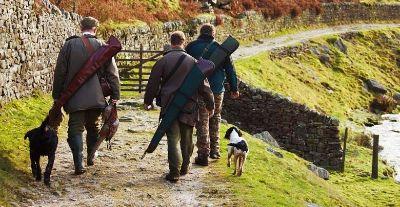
<point x="161" y="70"/>
<point x="72" y="57"/>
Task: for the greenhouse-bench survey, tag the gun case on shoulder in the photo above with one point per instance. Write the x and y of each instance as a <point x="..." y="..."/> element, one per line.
<point x="217" y="55"/>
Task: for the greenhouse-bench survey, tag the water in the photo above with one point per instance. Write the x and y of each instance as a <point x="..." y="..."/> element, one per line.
<point x="389" y="139"/>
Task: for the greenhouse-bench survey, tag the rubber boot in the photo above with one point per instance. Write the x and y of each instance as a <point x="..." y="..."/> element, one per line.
<point x="90" y="142"/>
<point x="76" y="144"/>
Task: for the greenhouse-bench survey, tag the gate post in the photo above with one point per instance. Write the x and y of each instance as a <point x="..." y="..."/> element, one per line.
<point x="140" y="68"/>
<point x="375" y="149"/>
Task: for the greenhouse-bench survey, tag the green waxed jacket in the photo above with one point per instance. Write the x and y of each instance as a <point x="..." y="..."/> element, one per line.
<point x="226" y="71"/>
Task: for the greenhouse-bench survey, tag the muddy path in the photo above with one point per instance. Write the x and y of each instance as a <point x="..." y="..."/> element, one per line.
<point x="120" y="178"/>
<point x="292" y="39"/>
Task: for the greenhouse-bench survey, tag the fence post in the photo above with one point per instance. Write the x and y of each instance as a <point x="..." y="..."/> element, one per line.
<point x="374" y="174"/>
<point x="346" y="134"/>
<point x="140" y="68"/>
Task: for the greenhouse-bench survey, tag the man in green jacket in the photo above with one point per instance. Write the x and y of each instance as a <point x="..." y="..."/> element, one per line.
<point x="86" y="105"/>
<point x="208" y="128"/>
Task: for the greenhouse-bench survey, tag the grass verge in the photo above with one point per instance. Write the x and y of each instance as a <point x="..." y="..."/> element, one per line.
<point x="272" y="181"/>
<point x="16" y="118"/>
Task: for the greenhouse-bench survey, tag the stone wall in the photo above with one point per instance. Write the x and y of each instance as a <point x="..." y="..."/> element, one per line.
<point x="29" y="43"/>
<point x="296" y="128"/>
<point x="251" y="25"/>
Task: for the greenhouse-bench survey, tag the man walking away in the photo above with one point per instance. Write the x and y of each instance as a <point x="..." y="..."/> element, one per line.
<point x="86" y="105"/>
<point x="166" y="77"/>
<point x="208" y="128"/>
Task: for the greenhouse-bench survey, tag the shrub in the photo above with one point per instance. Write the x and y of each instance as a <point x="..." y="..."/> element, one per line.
<point x="363" y="140"/>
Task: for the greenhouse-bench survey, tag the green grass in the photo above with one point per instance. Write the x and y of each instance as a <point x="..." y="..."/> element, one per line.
<point x="16" y="119"/>
<point x="370" y="55"/>
<point x="380" y="1"/>
<point x="272" y="181"/>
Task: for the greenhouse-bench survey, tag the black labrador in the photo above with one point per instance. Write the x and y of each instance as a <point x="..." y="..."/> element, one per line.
<point x="43" y="141"/>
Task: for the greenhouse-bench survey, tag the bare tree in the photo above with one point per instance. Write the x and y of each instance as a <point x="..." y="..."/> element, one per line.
<point x="74" y="6"/>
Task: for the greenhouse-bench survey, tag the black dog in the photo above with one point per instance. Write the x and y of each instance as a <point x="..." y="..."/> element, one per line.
<point x="43" y="141"/>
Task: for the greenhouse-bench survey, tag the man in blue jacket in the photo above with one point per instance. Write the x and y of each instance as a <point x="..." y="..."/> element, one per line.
<point x="208" y="128"/>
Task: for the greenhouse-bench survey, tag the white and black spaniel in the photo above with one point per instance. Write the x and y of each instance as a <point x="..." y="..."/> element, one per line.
<point x="238" y="148"/>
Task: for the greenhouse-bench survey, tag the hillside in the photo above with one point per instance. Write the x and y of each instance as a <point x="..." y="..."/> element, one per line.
<point x="318" y="74"/>
<point x="163" y="10"/>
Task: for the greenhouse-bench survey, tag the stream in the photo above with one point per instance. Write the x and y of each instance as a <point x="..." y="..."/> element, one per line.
<point x="389" y="139"/>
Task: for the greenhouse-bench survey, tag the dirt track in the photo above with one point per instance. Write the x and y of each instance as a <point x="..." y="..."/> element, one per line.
<point x="121" y="178"/>
<point x="291" y="39"/>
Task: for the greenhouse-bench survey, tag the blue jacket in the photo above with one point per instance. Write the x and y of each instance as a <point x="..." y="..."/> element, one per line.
<point x="226" y="71"/>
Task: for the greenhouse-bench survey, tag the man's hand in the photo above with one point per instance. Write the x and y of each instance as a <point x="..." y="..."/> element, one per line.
<point x="114" y="101"/>
<point x="148" y="107"/>
<point x="210" y="113"/>
<point x="235" y="94"/>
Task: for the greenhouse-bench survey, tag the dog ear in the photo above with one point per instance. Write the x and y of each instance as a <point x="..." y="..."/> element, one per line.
<point x="27" y="135"/>
<point x="240" y="133"/>
<point x="228" y="133"/>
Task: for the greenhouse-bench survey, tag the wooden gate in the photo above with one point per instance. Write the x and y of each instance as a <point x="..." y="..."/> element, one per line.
<point x="135" y="67"/>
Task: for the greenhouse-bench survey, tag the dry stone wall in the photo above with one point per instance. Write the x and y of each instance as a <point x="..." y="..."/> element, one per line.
<point x="29" y="43"/>
<point x="296" y="128"/>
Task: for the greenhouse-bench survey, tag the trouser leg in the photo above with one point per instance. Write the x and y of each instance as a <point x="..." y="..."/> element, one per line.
<point x="92" y="125"/>
<point x="203" y="140"/>
<point x="186" y="144"/>
<point x="214" y="125"/>
<point x="75" y="130"/>
<point x="174" y="154"/>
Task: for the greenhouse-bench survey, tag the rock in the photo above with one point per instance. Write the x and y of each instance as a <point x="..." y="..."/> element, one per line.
<point x="375" y="86"/>
<point x="57" y="193"/>
<point x="257" y="97"/>
<point x="319" y="171"/>
<point x="130" y="184"/>
<point x="14" y="204"/>
<point x="125" y="119"/>
<point x="267" y="137"/>
<point x="396" y="97"/>
<point x="325" y="59"/>
<point x="131" y="130"/>
<point x="340" y="45"/>
<point x="312" y="205"/>
<point x="327" y="86"/>
<point x="276" y="153"/>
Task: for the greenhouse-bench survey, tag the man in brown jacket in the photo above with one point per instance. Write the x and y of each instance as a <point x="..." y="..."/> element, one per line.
<point x="86" y="105"/>
<point x="167" y="76"/>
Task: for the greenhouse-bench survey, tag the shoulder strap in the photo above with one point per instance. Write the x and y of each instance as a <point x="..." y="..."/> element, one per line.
<point x="88" y="46"/>
<point x="207" y="48"/>
<point x="170" y="74"/>
<point x="90" y="49"/>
